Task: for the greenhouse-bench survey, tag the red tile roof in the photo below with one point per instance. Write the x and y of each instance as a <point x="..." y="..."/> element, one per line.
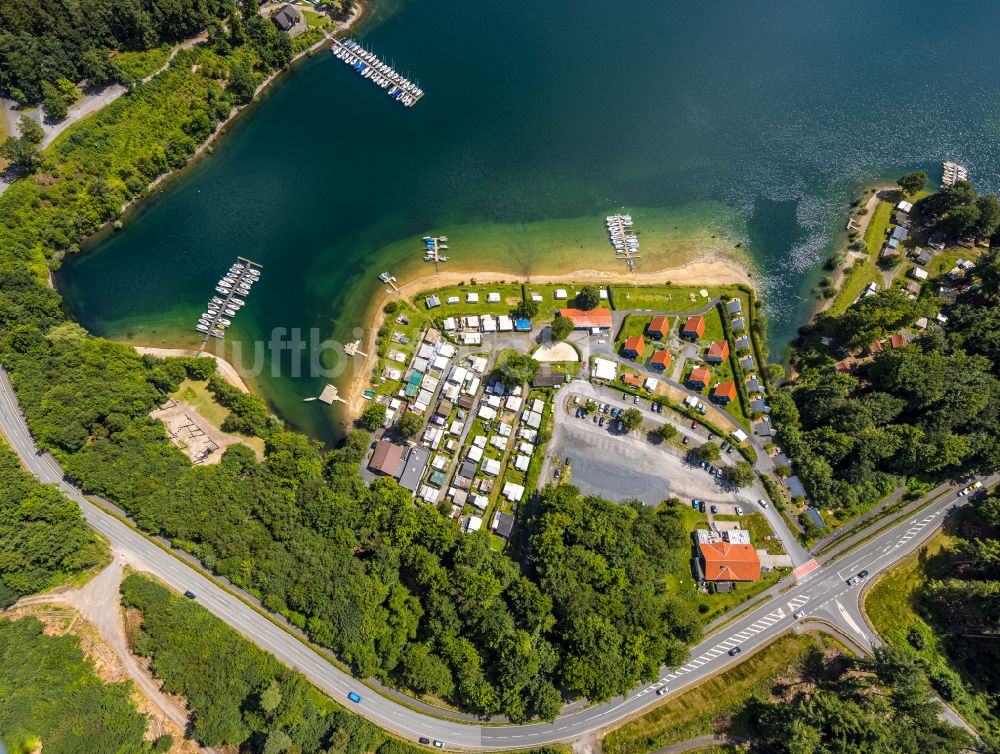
<point x="875" y="347"/>
<point x="594" y="318"/>
<point x="700" y="374"/>
<point x="634" y="343"/>
<point x="694" y="326"/>
<point x="661" y="357"/>
<point x="659" y="325"/>
<point x="632" y="379"/>
<point x="386" y="458"/>
<point x="725" y="390"/>
<point x="898" y="341"/>
<point x="725" y="562"/>
<point x="719" y="350"/>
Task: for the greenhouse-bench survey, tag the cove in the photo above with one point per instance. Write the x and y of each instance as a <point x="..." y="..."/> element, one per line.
<point x="733" y="129"/>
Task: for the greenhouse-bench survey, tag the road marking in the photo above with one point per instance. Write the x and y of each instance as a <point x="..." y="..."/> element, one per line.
<point x="805" y="569"/>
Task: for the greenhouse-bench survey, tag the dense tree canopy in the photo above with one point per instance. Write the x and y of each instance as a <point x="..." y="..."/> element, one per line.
<point x="43" y="540"/>
<point x="927" y="410"/>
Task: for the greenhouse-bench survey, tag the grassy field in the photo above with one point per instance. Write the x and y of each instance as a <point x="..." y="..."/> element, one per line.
<point x="510" y="296"/>
<point x="891" y="605"/>
<point x="702" y="709"/>
<point x="860" y="276"/>
<point x="666" y="298"/>
<point x="138" y="65"/>
<point x="196" y="393"/>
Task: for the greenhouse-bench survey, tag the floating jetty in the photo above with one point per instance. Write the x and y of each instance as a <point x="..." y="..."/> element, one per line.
<point x="953" y="173"/>
<point x="390" y="280"/>
<point x="328" y="396"/>
<point x="623" y="238"/>
<point x="380" y="73"/>
<point x="232" y="288"/>
<point x="433" y="246"/>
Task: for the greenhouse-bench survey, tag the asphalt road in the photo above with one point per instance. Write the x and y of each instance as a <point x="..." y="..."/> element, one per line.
<point x="822" y="594"/>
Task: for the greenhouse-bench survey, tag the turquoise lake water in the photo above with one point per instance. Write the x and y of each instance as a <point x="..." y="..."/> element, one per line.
<point x="754" y="123"/>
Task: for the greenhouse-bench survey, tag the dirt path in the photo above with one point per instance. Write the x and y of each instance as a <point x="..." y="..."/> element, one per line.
<point x="98" y="601"/>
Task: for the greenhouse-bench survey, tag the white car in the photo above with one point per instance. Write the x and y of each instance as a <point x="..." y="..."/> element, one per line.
<point x="739" y="510"/>
<point x="762" y="503"/>
<point x="662" y="690"/>
<point x="799" y="615"/>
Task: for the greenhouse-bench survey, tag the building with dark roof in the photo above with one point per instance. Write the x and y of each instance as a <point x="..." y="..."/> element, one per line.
<point x="795" y="488"/>
<point x="386" y="458"/>
<point x="413" y="468"/>
<point x="547" y="376"/>
<point x="503" y="524"/>
<point x="285" y="17"/>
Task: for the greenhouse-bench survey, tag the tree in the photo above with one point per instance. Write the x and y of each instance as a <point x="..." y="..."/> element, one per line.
<point x="664" y="432"/>
<point x="516" y="369"/>
<point x="961" y="221"/>
<point x="526" y="309"/>
<point x="31" y="130"/>
<point x="561" y="328"/>
<point x="98" y="68"/>
<point x="989" y="216"/>
<point x="632" y="418"/>
<point x="913" y="183"/>
<point x="588" y="298"/>
<point x="19" y="153"/>
<point x="709" y="452"/>
<point x="409" y="424"/>
<point x="373" y="417"/>
<point x="739" y="475"/>
<point x="242" y="85"/>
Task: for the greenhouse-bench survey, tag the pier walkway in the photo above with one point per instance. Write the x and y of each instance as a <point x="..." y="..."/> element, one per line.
<point x="371" y="67"/>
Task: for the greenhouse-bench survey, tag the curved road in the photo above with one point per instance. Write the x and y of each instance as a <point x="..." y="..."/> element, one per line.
<point x="821" y="594"/>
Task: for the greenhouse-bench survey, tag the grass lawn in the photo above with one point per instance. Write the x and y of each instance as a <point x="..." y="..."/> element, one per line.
<point x="861" y="275"/>
<point x="196" y="393"/>
<point x="666" y="298"/>
<point x="696" y="712"/>
<point x="636" y="325"/>
<point x="510" y="296"/>
<point x="550" y="303"/>
<point x="891" y="606"/>
<point x="315" y="20"/>
<point x="138" y="65"/>
<point x="760" y="528"/>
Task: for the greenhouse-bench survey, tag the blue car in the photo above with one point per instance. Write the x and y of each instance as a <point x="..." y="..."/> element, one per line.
<point x="354" y="698"/>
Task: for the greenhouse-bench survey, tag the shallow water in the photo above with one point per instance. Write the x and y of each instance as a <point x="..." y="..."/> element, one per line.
<point x="717" y="125"/>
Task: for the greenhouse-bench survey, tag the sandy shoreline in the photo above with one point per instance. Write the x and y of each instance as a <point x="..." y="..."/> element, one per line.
<point x="226" y="370"/>
<point x="708" y="273"/>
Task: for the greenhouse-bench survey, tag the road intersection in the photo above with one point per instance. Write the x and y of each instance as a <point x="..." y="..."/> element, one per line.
<point x="822" y="595"/>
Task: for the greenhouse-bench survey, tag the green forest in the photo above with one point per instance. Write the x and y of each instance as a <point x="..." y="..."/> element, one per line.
<point x="880" y="705"/>
<point x="929" y="411"/>
<point x="51" y="698"/>
<point x="43" y="540"/>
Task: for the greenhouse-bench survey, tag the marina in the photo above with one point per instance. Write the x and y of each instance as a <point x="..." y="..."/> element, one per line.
<point x="953" y="173"/>
<point x="623" y="239"/>
<point x="232" y="287"/>
<point x="433" y="246"/>
<point x="368" y="65"/>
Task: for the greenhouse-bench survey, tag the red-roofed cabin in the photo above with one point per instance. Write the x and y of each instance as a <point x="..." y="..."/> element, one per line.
<point x="699" y="378"/>
<point x="875" y="347"/>
<point x="724" y="392"/>
<point x="693" y="328"/>
<point x="660" y="360"/>
<point x="633" y="347"/>
<point x="718" y="352"/>
<point x="632" y="379"/>
<point x="659" y="328"/>
<point x="898" y="341"/>
<point x="599" y="318"/>
<point x="721" y="561"/>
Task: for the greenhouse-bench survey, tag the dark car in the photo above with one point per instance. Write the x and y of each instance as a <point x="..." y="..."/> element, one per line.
<point x="558" y="473"/>
<point x="701" y="506"/>
<point x="729" y="449"/>
<point x="425" y="740"/>
<point x="715" y="509"/>
<point x="734" y="651"/>
<point x="684" y="440"/>
<point x="862" y="574"/>
<point x="190" y="595"/>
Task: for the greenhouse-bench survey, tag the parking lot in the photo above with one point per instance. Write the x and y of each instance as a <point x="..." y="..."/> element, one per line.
<point x="623" y="466"/>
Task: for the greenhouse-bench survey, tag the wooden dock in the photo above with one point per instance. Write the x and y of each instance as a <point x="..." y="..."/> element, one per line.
<point x="370" y="66"/>
<point x="244" y="276"/>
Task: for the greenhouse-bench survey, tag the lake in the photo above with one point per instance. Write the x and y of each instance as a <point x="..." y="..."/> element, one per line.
<point x="737" y="129"/>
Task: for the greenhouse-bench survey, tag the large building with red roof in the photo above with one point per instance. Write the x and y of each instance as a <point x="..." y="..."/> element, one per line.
<point x="587" y="320"/>
<point x="694" y="327"/>
<point x="718" y="352"/>
<point x="633" y="347"/>
<point x="700" y="378"/>
<point x="659" y="328"/>
<point x="660" y="360"/>
<point x="722" y="561"/>
<point x="724" y="392"/>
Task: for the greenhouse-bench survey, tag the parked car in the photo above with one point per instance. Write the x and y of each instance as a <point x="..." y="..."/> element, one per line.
<point x="724" y="446"/>
<point x="739" y="510"/>
<point x="600" y="422"/>
<point x="684" y="440"/>
<point x="354" y="697"/>
<point x="762" y="503"/>
<point x="558" y="473"/>
<point x="624" y="396"/>
<point x="614" y="411"/>
<point x="636" y="400"/>
<point x="425" y="741"/>
<point x="701" y="506"/>
<point x="729" y="449"/>
<point x="576" y="399"/>
<point x="734" y="651"/>
<point x="438" y="744"/>
<point x="694" y="503"/>
<point x="694" y="424"/>
<point x="620" y="427"/>
<point x="714" y="509"/>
